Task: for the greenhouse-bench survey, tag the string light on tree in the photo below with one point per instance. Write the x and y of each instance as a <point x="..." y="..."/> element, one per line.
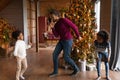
<point x="81" y="12"/>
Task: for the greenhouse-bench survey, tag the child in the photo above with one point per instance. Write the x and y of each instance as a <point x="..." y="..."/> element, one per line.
<point x="102" y="47"/>
<point x="20" y="54"/>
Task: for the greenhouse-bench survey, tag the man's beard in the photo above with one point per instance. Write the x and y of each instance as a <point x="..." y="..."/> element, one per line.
<point x="55" y="20"/>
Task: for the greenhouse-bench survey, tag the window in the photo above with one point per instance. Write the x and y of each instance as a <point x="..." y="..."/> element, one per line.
<point x="97" y="11"/>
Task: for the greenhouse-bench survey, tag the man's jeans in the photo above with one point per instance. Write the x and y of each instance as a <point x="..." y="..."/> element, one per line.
<point x="66" y="46"/>
<point x="105" y="56"/>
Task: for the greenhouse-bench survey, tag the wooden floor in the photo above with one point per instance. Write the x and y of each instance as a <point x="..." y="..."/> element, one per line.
<point x="40" y="66"/>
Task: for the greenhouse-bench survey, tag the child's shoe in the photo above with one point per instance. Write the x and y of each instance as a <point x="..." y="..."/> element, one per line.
<point x="23" y="78"/>
<point x="98" y="78"/>
<point x="108" y="78"/>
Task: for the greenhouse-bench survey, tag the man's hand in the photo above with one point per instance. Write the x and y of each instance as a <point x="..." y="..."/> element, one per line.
<point x="80" y="38"/>
<point x="52" y="24"/>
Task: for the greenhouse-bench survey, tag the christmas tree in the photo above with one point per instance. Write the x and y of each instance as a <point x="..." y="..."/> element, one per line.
<point x="81" y="12"/>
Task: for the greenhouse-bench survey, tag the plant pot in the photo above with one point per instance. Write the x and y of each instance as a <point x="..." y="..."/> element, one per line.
<point x="82" y="65"/>
<point x="5" y="47"/>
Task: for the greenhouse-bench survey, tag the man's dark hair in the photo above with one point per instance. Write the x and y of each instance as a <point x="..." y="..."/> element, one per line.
<point x="15" y="34"/>
<point x="104" y="35"/>
<point x="55" y="12"/>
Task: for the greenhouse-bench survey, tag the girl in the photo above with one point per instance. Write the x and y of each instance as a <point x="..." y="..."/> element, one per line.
<point x="103" y="49"/>
<point x="20" y="54"/>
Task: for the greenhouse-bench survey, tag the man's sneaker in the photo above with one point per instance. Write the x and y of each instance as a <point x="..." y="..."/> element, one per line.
<point x="53" y="74"/>
<point x="108" y="78"/>
<point x="98" y="78"/>
<point x="74" y="73"/>
<point x="23" y="78"/>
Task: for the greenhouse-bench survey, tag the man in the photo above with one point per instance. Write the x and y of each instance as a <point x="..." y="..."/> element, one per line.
<point x="62" y="29"/>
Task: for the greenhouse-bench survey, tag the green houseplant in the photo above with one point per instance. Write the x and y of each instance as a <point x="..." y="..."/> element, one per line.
<point x="5" y="34"/>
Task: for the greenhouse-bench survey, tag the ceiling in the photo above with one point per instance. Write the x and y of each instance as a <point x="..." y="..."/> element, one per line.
<point x="52" y="0"/>
<point x="4" y="3"/>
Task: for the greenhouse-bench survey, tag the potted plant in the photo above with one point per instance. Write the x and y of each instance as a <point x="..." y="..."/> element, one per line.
<point x="5" y="34"/>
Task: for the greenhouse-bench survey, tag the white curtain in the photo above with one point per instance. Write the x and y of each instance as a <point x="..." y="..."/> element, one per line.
<point x="115" y="36"/>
